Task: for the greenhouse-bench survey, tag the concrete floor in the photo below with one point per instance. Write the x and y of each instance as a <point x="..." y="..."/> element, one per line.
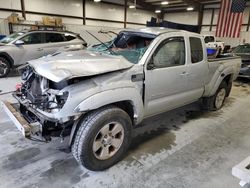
<point x="182" y="148"/>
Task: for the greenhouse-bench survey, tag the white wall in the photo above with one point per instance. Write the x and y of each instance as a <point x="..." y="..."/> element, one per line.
<point x="139" y="16"/>
<point x="104" y="11"/>
<point x="67" y="7"/>
<point x="13" y="4"/>
<point x="190" y="18"/>
<point x="74" y="8"/>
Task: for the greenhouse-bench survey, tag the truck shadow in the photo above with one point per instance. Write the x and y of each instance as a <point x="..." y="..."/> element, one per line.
<point x="157" y="133"/>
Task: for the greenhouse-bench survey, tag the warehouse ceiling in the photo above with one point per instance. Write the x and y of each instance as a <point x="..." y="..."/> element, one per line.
<point x="169" y="6"/>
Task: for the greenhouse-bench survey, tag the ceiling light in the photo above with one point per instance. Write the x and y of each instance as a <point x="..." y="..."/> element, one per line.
<point x="97" y="1"/>
<point x="132" y="6"/>
<point x="164" y="2"/>
<point x="190" y="8"/>
<point x="157" y="11"/>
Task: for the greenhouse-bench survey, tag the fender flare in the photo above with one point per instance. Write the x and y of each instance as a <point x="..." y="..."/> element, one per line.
<point x="118" y="95"/>
<point x="222" y="76"/>
<point x="107" y="97"/>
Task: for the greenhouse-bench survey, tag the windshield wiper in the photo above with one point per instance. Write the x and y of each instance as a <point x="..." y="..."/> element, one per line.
<point x="111" y="51"/>
<point x="107" y="32"/>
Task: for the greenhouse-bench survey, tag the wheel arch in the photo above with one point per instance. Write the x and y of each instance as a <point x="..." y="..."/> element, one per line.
<point x="8" y="58"/>
<point x="129" y="101"/>
<point x="226" y="76"/>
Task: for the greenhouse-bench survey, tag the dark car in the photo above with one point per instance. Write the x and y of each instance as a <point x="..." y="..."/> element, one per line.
<point x="244" y="52"/>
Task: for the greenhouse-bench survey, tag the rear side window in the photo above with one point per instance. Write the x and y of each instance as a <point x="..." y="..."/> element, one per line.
<point x="32" y="38"/>
<point x="54" y="37"/>
<point x="69" y="37"/>
<point x="196" y="49"/>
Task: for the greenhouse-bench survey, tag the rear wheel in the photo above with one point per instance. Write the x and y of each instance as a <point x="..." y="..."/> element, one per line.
<point x="102" y="138"/>
<point x="4" y="67"/>
<point x="216" y="101"/>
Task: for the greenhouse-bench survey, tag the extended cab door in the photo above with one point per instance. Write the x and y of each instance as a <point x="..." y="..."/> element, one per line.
<point x="165" y="76"/>
<point x="197" y="68"/>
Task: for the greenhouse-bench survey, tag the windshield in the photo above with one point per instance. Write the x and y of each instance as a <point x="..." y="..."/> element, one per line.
<point x="242" y="49"/>
<point x="130" y="45"/>
<point x="11" y="37"/>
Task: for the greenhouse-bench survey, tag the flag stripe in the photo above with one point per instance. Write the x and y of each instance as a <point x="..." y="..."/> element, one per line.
<point x="223" y="17"/>
<point x="239" y="26"/>
<point x="219" y="19"/>
<point x="231" y="26"/>
<point x="235" y="27"/>
<point x="226" y="18"/>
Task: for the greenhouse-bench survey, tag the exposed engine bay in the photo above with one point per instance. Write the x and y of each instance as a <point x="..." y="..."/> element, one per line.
<point x="41" y="92"/>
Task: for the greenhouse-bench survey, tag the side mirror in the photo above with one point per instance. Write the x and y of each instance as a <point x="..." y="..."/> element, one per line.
<point x="19" y="42"/>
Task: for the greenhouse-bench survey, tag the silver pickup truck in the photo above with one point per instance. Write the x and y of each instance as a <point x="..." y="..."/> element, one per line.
<point x="97" y="96"/>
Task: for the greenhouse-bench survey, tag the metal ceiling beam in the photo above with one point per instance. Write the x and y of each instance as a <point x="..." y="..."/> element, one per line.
<point x="146" y="6"/>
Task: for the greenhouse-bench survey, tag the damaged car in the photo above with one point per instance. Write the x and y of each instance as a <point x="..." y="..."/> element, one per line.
<point x="243" y="51"/>
<point x="97" y="96"/>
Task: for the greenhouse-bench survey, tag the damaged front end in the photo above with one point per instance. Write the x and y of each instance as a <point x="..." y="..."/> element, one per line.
<point x="38" y="96"/>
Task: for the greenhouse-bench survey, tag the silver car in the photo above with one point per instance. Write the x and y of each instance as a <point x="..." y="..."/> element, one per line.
<point x="18" y="48"/>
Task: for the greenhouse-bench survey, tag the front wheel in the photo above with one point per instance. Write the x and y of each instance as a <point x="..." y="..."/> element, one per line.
<point x="102" y="138"/>
<point x="216" y="101"/>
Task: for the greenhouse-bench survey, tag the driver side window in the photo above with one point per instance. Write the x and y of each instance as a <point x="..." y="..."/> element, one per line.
<point x="170" y="52"/>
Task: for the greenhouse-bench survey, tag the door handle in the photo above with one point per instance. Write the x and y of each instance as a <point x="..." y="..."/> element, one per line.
<point x="40" y="49"/>
<point x="184" y="74"/>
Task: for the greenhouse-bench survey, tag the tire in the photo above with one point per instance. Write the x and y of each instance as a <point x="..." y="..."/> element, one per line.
<point x="91" y="135"/>
<point x="4" y="67"/>
<point x="216" y="101"/>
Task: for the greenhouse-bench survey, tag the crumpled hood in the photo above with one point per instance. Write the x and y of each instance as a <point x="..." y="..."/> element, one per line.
<point x="80" y="63"/>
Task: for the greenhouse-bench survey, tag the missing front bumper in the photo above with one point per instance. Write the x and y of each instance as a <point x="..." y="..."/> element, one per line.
<point x="23" y="126"/>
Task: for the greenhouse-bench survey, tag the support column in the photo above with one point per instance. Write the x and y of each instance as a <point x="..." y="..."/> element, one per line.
<point x="200" y="17"/>
<point x="212" y="20"/>
<point x="83" y="12"/>
<point x="23" y="9"/>
<point x="125" y="12"/>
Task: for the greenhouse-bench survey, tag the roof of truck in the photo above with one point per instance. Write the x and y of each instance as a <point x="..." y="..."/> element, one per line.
<point x="153" y="30"/>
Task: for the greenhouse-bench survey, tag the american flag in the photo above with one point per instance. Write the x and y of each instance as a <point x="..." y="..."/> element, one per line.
<point x="230" y="18"/>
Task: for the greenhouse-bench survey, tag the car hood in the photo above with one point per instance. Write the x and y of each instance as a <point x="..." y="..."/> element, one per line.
<point x="67" y="65"/>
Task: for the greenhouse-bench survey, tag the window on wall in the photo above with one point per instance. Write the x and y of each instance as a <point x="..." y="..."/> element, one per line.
<point x="196" y="49"/>
<point x="170" y="52"/>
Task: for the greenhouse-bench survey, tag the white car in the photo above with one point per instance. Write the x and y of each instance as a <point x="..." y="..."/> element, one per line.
<point x="18" y="48"/>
